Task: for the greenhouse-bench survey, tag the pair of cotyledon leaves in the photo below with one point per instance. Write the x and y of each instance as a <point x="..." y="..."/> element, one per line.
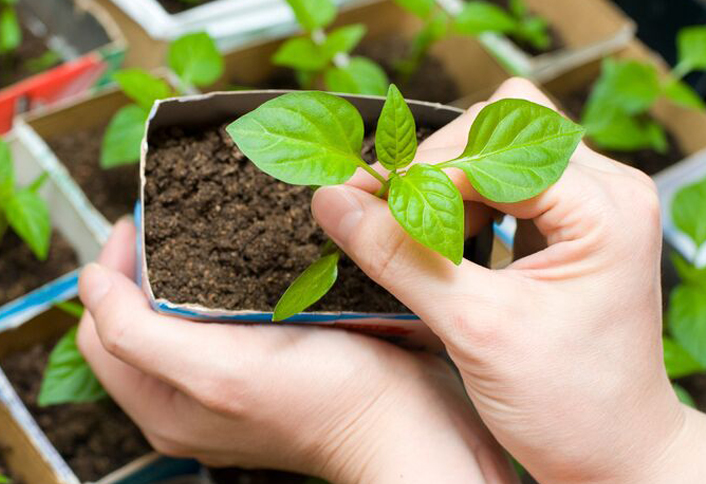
<point x="515" y="150"/>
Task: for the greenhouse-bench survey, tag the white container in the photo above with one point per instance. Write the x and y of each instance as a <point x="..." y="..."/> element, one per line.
<point x="230" y="22"/>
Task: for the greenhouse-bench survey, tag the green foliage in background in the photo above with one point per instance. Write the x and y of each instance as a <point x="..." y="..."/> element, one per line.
<point x="324" y="57"/>
<point x="22" y="209"/>
<point x="475" y="18"/>
<point x="194" y="58"/>
<point x="10" y="31"/>
<point x="685" y="337"/>
<point x="515" y="150"/>
<point x="616" y="115"/>
<point x="67" y="377"/>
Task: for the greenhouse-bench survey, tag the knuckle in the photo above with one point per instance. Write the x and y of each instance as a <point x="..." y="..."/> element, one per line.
<point x="225" y="396"/>
<point x="113" y="334"/>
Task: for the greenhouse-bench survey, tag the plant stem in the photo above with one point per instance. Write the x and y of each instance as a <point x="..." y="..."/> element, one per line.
<point x="372" y="172"/>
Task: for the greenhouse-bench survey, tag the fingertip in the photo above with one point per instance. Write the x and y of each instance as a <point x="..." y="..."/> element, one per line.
<point x="339" y="209"/>
<point x="94" y="283"/>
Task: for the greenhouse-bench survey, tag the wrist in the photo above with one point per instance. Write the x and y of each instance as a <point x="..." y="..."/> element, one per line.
<point x="417" y="435"/>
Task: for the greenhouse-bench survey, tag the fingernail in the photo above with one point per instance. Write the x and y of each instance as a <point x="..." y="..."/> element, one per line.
<point x="338" y="211"/>
<point x="95" y="284"/>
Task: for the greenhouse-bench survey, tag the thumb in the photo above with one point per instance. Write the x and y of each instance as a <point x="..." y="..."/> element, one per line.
<point x="362" y="225"/>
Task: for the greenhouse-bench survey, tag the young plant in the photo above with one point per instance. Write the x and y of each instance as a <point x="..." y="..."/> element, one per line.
<point x="616" y="115"/>
<point x="321" y="57"/>
<point x="685" y="339"/>
<point x="194" y="58"/>
<point x="471" y="18"/>
<point x="10" y="31"/>
<point x="4" y="479"/>
<point x="67" y="377"/>
<point x="21" y="209"/>
<point x="515" y="150"/>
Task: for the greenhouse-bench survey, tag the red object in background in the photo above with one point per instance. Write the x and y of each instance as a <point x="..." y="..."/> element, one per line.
<point x="48" y="87"/>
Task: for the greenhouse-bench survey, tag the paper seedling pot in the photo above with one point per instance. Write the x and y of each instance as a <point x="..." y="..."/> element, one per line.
<point x="90" y="43"/>
<point x="209" y="109"/>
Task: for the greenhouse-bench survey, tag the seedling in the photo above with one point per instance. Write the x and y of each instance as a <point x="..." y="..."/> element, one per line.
<point x="616" y="115"/>
<point x="321" y="57"/>
<point x="685" y="341"/>
<point x="473" y="18"/>
<point x="21" y="209"/>
<point x="67" y="377"/>
<point x="194" y="58"/>
<point x="5" y="479"/>
<point x="10" y="31"/>
<point x="515" y="150"/>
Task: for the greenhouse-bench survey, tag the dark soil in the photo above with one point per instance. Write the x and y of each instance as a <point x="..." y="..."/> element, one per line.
<point x="240" y="476"/>
<point x="222" y="234"/>
<point x="13" y="67"/>
<point x="5" y="471"/>
<point x="22" y="271"/>
<point x="429" y="83"/>
<point x="647" y="160"/>
<point x="556" y="42"/>
<point x="94" y="438"/>
<point x="114" y="191"/>
<point x="177" y="6"/>
<point x="696" y="386"/>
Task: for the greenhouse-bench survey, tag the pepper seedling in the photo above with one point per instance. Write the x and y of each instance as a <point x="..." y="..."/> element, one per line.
<point x="194" y="58"/>
<point x="10" y="31"/>
<point x="616" y="115"/>
<point x="22" y="209"/>
<point x="685" y="338"/>
<point x="319" y="56"/>
<point x="68" y="378"/>
<point x="515" y="150"/>
<point x="471" y="18"/>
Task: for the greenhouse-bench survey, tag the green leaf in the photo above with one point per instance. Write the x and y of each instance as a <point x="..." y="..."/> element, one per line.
<point x="683" y="395"/>
<point x="682" y="94"/>
<point x="688" y="273"/>
<point x="68" y="378"/>
<point x="624" y="85"/>
<point x="687" y="320"/>
<point x="691" y="49"/>
<point x="678" y="361"/>
<point x="28" y="215"/>
<point x="123" y="137"/>
<point x="313" y="14"/>
<point x="360" y="76"/>
<point x="479" y="16"/>
<point x="429" y="207"/>
<point x="142" y="87"/>
<point x="195" y="59"/>
<point x="7" y="172"/>
<point x="71" y="308"/>
<point x="396" y="134"/>
<point x="343" y="40"/>
<point x="309" y="287"/>
<point x="301" y="53"/>
<point x="420" y="8"/>
<point x="4" y="479"/>
<point x="519" y="8"/>
<point x="10" y="31"/>
<point x="516" y="149"/>
<point x="688" y="208"/>
<point x="534" y="30"/>
<point x="38" y="182"/>
<point x="43" y="62"/>
<point x="619" y="131"/>
<point x="302" y="138"/>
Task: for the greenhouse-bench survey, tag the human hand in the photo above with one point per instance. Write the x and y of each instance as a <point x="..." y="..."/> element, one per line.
<point x="346" y="407"/>
<point x="561" y="351"/>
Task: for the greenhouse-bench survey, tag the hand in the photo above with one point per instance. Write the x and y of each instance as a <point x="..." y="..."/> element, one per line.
<point x="342" y="406"/>
<point x="561" y="351"/>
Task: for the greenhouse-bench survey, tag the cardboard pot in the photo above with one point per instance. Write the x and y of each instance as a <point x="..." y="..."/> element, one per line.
<point x="30" y="455"/>
<point x="464" y="60"/>
<point x="84" y="112"/>
<point x="210" y="109"/>
<point x="226" y="21"/>
<point x="89" y="42"/>
<point x="589" y="30"/>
